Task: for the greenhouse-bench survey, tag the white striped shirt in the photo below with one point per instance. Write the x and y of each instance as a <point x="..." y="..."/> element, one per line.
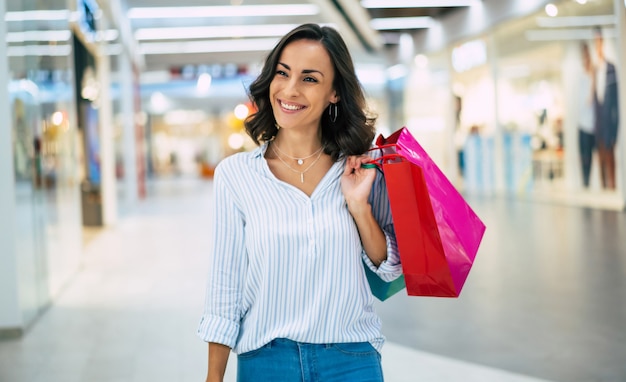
<point x="285" y="265"/>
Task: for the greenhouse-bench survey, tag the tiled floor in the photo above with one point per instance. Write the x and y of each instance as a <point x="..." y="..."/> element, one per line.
<point x="545" y="301"/>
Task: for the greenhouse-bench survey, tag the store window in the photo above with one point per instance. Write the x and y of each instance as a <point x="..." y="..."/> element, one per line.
<point x="44" y="149"/>
<point x="556" y="86"/>
<point x="474" y="106"/>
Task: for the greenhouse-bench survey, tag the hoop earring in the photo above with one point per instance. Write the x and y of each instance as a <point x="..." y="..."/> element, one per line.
<point x="333" y="112"/>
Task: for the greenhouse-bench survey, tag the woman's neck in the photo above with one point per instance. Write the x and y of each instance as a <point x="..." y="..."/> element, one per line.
<point x="297" y="144"/>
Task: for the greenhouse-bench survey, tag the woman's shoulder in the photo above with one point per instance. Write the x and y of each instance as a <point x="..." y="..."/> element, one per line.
<point x="232" y="159"/>
<point x="234" y="163"/>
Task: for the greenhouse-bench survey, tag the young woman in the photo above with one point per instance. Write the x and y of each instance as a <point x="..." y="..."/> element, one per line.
<point x="296" y="221"/>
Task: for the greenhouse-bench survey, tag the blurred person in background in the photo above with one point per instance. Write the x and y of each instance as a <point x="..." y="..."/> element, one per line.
<point x="295" y="222"/>
<point x="606" y="112"/>
<point x="586" y="138"/>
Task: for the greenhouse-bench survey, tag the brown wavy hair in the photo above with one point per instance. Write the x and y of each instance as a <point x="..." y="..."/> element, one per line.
<point x="352" y="132"/>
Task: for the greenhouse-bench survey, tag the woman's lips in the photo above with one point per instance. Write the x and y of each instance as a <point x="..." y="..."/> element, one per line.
<point x="290" y="106"/>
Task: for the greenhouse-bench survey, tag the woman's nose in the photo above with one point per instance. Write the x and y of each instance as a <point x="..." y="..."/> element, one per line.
<point x="292" y="87"/>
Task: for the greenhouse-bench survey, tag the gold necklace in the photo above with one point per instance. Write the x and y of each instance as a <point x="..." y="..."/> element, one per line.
<point x="319" y="155"/>
<point x="300" y="161"/>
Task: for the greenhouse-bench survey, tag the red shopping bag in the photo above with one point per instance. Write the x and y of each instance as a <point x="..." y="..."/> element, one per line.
<point x="438" y="233"/>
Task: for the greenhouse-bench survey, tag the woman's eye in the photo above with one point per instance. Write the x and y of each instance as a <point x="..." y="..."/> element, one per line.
<point x="281" y="73"/>
<point x="310" y="79"/>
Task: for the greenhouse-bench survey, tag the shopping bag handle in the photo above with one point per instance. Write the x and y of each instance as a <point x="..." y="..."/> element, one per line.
<point x="381" y="147"/>
<point x="378" y="162"/>
<point x="385" y="146"/>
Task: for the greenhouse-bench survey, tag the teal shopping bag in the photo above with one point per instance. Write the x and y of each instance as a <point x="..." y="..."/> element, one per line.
<point x="381" y="289"/>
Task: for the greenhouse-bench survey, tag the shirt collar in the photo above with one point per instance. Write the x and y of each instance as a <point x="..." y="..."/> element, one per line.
<point x="259" y="151"/>
<point x="257" y="156"/>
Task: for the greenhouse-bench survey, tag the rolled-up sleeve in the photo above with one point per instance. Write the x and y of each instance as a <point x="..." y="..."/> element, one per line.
<point x="222" y="309"/>
<point x="391" y="268"/>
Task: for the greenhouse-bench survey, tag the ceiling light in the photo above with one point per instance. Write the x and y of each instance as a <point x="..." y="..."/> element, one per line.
<point x="39" y="50"/>
<point x="566" y="34"/>
<point x="241" y="111"/>
<point x="225" y="31"/>
<point x="402" y="23"/>
<point x="421" y="61"/>
<point x="204" y="83"/>
<point x="56" y="35"/>
<point x="48" y="35"/>
<point x="371" y="75"/>
<point x="159" y="102"/>
<point x="250" y="45"/>
<point x="108" y="35"/>
<point x="551" y="10"/>
<point x="61" y="15"/>
<point x="406" y="47"/>
<point x="236" y="141"/>
<point x="469" y="55"/>
<point x="417" y="3"/>
<point x="223" y="11"/>
<point x="575" y="21"/>
<point x="57" y="118"/>
<point x="396" y="72"/>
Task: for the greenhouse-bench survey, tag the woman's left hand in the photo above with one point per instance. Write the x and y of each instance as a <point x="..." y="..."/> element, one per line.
<point x="356" y="183"/>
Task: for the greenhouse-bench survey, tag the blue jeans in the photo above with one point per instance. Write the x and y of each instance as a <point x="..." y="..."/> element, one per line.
<point x="288" y="361"/>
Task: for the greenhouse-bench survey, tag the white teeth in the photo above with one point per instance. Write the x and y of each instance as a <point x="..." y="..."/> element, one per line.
<point x="290" y="107"/>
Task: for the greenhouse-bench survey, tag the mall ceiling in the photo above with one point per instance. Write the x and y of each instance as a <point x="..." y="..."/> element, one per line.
<point x="198" y="32"/>
<point x="182" y="39"/>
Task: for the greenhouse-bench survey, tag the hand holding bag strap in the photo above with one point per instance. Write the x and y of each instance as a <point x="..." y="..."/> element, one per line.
<point x="381" y="145"/>
<point x="387" y="158"/>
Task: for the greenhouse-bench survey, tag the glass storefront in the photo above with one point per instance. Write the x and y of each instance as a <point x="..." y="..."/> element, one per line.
<point x="428" y="111"/>
<point x="474" y="105"/>
<point x="50" y="155"/>
<point x="555" y="140"/>
<point x="523" y="117"/>
<point x="45" y="150"/>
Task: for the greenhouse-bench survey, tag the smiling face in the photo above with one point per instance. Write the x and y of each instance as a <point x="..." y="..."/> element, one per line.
<point x="302" y="86"/>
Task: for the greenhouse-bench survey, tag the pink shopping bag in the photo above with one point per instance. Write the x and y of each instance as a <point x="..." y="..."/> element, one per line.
<point x="455" y="239"/>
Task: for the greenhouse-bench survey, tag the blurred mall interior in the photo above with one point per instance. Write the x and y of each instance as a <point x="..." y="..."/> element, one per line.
<point x="118" y="112"/>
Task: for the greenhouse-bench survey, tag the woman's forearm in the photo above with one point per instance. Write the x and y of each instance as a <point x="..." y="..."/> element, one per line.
<point x="218" y="358"/>
<point x="372" y="236"/>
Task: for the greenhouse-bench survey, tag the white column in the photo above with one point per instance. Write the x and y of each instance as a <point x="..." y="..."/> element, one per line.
<point x="10" y="316"/>
<point x="620" y="15"/>
<point x="499" y="185"/>
<point x="571" y="71"/>
<point x="107" y="146"/>
<point x="128" y="130"/>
